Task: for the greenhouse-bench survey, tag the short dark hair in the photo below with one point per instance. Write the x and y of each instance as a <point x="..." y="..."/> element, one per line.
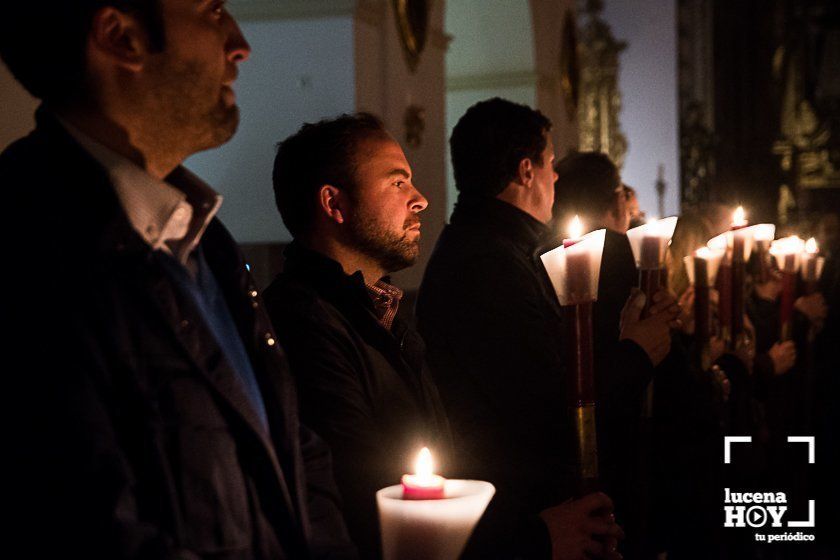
<point x="323" y="153"/>
<point x="491" y="139"/>
<point x="43" y="43"/>
<point x="586" y="185"/>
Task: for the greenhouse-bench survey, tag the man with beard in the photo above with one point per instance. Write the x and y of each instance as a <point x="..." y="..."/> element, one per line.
<point x="345" y="191"/>
<point x="154" y="415"/>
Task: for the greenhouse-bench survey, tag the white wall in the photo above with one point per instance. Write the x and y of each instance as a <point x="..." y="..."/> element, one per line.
<point x="457" y="103"/>
<point x="16" y="109"/>
<point x="648" y="83"/>
<point x="491" y="55"/>
<point x="299" y="71"/>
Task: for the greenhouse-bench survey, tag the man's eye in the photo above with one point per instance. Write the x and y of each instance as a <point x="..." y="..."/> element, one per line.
<point x="399" y="184"/>
<point x="218" y="7"/>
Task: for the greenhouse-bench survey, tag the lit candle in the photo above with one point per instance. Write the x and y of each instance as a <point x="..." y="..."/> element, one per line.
<point x="574" y="269"/>
<point x="575" y="232"/>
<point x="739" y="218"/>
<point x="812" y="265"/>
<point x="740" y="241"/>
<point x="415" y="527"/>
<point x="724" y="286"/>
<point x="649" y="243"/>
<point x="702" y="267"/>
<point x="763" y="235"/>
<point x="787" y="252"/>
<point x="423" y="484"/>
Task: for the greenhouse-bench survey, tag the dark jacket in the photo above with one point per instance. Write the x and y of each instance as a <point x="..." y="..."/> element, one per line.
<point x="365" y="389"/>
<point x="132" y="436"/>
<point x="492" y="325"/>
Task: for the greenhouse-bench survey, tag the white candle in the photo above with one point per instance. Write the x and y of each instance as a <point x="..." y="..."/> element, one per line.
<point x="430" y="529"/>
<point x="812" y="263"/>
<point x="574" y="269"/>
<point x="649" y="242"/>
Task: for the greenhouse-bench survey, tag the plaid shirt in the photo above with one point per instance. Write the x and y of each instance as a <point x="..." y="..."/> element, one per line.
<point x="386" y="301"/>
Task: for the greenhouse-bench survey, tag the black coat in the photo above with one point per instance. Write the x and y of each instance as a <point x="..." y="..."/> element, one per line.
<point x="492" y="325"/>
<point x="132" y="437"/>
<point x="365" y="389"/>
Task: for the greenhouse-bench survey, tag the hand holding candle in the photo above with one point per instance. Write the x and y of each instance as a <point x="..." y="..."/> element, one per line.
<point x="574" y="269"/>
<point x="649" y="243"/>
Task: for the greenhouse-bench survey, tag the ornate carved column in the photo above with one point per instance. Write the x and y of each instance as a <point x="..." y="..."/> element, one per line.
<point x="600" y="98"/>
<point x="696" y="99"/>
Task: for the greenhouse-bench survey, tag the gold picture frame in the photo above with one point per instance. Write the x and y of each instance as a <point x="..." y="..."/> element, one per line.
<point x="413" y="24"/>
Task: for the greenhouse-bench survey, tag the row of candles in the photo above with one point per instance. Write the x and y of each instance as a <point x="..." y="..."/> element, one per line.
<point x="427" y="516"/>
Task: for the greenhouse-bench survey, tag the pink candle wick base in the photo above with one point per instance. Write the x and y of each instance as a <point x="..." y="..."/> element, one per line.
<point x="425" y="488"/>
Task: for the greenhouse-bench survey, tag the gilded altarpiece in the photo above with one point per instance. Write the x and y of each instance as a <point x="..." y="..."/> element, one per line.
<point x="599" y="99"/>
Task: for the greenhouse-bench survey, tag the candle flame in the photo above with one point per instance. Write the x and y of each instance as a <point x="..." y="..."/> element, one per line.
<point x="575" y="228"/>
<point x="424" y="467"/>
<point x="811" y="246"/>
<point x="739" y="217"/>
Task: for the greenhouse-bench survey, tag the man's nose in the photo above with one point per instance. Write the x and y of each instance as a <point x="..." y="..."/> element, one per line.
<point x="238" y="49"/>
<point x="418" y="202"/>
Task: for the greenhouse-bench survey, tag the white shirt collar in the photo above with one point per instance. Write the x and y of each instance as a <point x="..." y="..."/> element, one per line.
<point x="168" y="218"/>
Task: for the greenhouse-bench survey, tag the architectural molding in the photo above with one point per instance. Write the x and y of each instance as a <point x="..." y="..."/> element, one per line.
<point x="492" y="80"/>
<point x="257" y="10"/>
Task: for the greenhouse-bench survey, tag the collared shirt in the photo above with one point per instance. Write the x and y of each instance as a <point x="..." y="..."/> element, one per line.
<point x="386" y="300"/>
<point x="171" y="219"/>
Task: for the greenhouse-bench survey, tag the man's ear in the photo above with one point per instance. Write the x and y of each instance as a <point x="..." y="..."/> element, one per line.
<point x="120" y="38"/>
<point x="525" y="172"/>
<point x="330" y="203"/>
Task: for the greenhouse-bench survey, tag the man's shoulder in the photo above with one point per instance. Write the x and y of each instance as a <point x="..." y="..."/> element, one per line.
<point x="464" y="249"/>
<point x="292" y="302"/>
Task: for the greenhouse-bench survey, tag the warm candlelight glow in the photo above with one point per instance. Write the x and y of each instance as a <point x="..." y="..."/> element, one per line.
<point x="705" y="253"/>
<point x="712" y="257"/>
<point x="811" y="246"/>
<point x="764" y="232"/>
<point x="718" y="242"/>
<point x="650" y="241"/>
<point x="787" y="245"/>
<point x="575" y="228"/>
<point x="424" y="484"/>
<point x="424" y="467"/>
<point x="788" y="251"/>
<point x="573" y="268"/>
<point x="739" y="217"/>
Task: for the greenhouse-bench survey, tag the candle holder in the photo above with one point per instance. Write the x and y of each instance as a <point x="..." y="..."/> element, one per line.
<point x="574" y="269"/>
<point x="812" y="266"/>
<point x="649" y="243"/>
<point x="431" y="529"/>
<point x="702" y="268"/>
<point x="739" y="240"/>
<point x="788" y="254"/>
<point x="724" y="286"/>
<point x="763" y="235"/>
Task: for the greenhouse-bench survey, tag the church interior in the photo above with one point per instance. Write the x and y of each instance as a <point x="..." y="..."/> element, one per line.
<point x="703" y="106"/>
